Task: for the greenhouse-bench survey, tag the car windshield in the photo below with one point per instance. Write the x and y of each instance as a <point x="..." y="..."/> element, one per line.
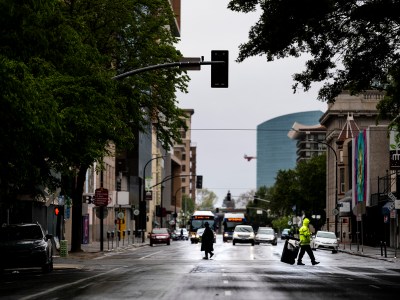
<point x="286" y="231"/>
<point x="160" y="230"/>
<point x="244" y="229"/>
<point x="328" y="235"/>
<point x="14" y="233"/>
<point x="266" y="231"/>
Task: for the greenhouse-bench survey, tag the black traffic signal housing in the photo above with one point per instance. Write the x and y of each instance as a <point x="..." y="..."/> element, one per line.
<point x="59" y="210"/>
<point x="220" y="71"/>
<point x="229" y="196"/>
<point x="199" y="182"/>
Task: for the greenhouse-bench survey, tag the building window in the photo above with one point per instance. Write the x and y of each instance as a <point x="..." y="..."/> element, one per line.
<point x="183" y="168"/>
<point x="341" y="180"/>
<point x="341" y="156"/>
<point x="183" y="179"/>
<point x="183" y="156"/>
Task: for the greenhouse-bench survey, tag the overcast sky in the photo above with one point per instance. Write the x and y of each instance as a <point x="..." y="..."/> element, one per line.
<point x="225" y="120"/>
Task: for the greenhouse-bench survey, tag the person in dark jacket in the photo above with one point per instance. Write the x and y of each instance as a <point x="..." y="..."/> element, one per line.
<point x="207" y="241"/>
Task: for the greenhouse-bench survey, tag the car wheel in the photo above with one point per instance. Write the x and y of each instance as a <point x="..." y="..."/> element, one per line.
<point x="168" y="243"/>
<point x="151" y="244"/>
<point x="252" y="243"/>
<point x="233" y="243"/>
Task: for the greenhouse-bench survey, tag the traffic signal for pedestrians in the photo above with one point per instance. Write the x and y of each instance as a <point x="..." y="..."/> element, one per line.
<point x="220" y="71"/>
<point x="199" y="182"/>
<point x="58" y="211"/>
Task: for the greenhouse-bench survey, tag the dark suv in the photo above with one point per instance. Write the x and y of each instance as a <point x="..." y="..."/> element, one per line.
<point x="25" y="246"/>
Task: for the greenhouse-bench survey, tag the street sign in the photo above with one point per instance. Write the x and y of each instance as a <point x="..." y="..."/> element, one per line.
<point x="101" y="197"/>
<point x="136" y="212"/>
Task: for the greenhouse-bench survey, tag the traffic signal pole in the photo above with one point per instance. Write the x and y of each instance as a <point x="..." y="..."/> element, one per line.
<point x="181" y="64"/>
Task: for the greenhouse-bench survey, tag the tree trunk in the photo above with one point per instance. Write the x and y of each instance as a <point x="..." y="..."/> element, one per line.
<point x="77" y="210"/>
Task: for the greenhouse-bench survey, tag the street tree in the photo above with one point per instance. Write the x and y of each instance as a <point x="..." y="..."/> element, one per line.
<point x="353" y="45"/>
<point x="298" y="190"/>
<point x="64" y="110"/>
<point x="206" y="199"/>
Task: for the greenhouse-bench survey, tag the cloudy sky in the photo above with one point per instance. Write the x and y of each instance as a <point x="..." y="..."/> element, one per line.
<point x="225" y="120"/>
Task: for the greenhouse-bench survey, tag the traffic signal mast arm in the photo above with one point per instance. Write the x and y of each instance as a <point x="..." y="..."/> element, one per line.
<point x="181" y="64"/>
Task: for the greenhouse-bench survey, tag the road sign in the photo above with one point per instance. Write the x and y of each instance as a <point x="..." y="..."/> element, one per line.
<point x="101" y="197"/>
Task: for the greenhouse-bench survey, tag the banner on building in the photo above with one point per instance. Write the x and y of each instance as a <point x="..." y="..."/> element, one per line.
<point x="360" y="172"/>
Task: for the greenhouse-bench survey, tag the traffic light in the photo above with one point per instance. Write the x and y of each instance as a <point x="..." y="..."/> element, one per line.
<point x="199" y="182"/>
<point x="158" y="210"/>
<point x="228" y="196"/>
<point x="58" y="211"/>
<point x="219" y="72"/>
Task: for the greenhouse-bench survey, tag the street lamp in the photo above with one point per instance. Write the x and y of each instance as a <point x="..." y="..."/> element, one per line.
<point x="142" y="203"/>
<point x="336" y="183"/>
<point x="176" y="201"/>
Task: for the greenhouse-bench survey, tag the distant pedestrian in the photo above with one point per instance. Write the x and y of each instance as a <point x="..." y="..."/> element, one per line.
<point x="305" y="238"/>
<point x="207" y="241"/>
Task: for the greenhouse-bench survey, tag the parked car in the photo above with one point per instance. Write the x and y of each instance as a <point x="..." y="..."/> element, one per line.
<point x="177" y="234"/>
<point x="199" y="234"/>
<point x="285" y="233"/>
<point x="325" y="239"/>
<point x="25" y="246"/>
<point x="160" y="236"/>
<point x="243" y="234"/>
<point x="266" y="235"/>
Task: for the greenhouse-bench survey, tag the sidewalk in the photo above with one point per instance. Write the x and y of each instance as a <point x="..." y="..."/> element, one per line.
<point x="392" y="254"/>
<point x="93" y="249"/>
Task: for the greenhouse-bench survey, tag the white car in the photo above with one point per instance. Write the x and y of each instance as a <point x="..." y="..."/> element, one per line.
<point x="325" y="239"/>
<point x="243" y="234"/>
<point x="177" y="234"/>
<point x="266" y="235"/>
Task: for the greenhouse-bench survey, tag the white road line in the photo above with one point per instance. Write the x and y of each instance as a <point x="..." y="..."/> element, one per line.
<point x="374" y="286"/>
<point x="226" y="281"/>
<point x="63" y="286"/>
<point x="150" y="255"/>
<point x="228" y="293"/>
<point x="223" y="274"/>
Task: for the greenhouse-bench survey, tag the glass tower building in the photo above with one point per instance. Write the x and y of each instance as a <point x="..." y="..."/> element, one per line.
<point x="275" y="150"/>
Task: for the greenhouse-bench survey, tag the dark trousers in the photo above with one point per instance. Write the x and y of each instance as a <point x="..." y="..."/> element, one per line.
<point x="303" y="249"/>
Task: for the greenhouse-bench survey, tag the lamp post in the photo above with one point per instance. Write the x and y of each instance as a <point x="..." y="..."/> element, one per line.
<point x="142" y="203"/>
<point x="176" y="202"/>
<point x="336" y="183"/>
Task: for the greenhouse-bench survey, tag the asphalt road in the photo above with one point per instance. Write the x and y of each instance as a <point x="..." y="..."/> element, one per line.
<point x="179" y="272"/>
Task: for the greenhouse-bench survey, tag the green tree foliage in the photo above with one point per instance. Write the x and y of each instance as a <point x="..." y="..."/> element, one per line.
<point x="353" y="44"/>
<point x="206" y="199"/>
<point x="302" y="188"/>
<point x="61" y="110"/>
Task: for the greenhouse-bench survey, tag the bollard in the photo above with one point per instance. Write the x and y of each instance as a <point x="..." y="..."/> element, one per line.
<point x="384" y="245"/>
<point x="129" y="233"/>
<point x="108" y="240"/>
<point x="118" y="237"/>
<point x="63" y="248"/>
<point x="381" y="244"/>
<point x="112" y="239"/>
<point x="123" y="237"/>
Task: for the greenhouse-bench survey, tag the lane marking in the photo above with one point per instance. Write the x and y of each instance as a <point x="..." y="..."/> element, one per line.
<point x="228" y="293"/>
<point x="226" y="281"/>
<point x="63" y="286"/>
<point x="149" y="255"/>
<point x="375" y="287"/>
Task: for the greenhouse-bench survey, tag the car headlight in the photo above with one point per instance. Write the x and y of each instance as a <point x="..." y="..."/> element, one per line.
<point x="252" y="235"/>
<point x="226" y="234"/>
